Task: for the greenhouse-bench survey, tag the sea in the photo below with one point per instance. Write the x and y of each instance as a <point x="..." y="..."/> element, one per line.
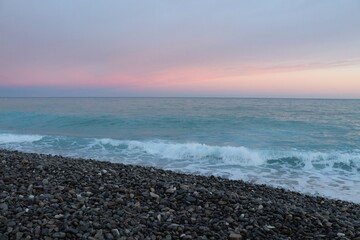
<point x="310" y="146"/>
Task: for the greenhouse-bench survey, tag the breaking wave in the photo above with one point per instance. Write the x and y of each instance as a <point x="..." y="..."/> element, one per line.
<point x="334" y="174"/>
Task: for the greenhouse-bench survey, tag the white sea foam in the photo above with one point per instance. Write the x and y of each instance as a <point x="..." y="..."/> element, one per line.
<point x="18" y="138"/>
<point x="191" y="151"/>
<point x="232" y="155"/>
<point x="333" y="173"/>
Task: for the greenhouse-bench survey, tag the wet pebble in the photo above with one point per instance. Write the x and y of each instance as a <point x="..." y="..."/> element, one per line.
<point x="48" y="197"/>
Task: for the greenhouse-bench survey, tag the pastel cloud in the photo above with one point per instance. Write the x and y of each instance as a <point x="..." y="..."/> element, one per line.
<point x="210" y="47"/>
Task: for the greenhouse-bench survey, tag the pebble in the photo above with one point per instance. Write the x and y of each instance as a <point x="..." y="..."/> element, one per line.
<point x="171" y="190"/>
<point x="235" y="236"/>
<point x="59" y="216"/>
<point x="99" y="234"/>
<point x="115" y="232"/>
<point x="11" y="224"/>
<point x="190" y="199"/>
<point x="80" y="198"/>
<point x="3" y="207"/>
<point x="154" y="195"/>
<point x="133" y="202"/>
<point x="19" y="235"/>
<point x="59" y="235"/>
<point x="3" y="236"/>
<point x="3" y="219"/>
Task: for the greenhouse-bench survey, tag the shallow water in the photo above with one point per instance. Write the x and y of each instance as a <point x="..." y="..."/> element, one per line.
<point x="311" y="146"/>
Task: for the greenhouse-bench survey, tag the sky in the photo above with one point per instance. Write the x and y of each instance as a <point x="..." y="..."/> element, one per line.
<point x="187" y="48"/>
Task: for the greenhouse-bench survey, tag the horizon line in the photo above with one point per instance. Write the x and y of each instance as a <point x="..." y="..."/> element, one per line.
<point x="204" y="97"/>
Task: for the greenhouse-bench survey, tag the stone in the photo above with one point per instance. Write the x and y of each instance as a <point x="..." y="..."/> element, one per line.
<point x="3" y="219"/>
<point x="99" y="234"/>
<point x="173" y="226"/>
<point x="4" y="207"/>
<point x="115" y="232"/>
<point x="190" y="199"/>
<point x="59" y="235"/>
<point x="59" y="216"/>
<point x="11" y="224"/>
<point x="154" y="195"/>
<point x="170" y="190"/>
<point x="235" y="236"/>
<point x="19" y="235"/>
<point x="80" y="198"/>
<point x="3" y="237"/>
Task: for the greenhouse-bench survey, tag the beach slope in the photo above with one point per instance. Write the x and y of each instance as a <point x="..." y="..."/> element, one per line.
<point x="53" y="197"/>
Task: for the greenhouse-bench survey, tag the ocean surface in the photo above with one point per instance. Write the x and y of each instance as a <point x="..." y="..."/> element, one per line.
<point x="310" y="146"/>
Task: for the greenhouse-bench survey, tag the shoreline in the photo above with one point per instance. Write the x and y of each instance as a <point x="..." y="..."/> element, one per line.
<point x="55" y="197"/>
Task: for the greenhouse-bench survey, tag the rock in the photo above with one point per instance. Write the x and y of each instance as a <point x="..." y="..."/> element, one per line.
<point x="40" y="167"/>
<point x="37" y="231"/>
<point x="171" y="190"/>
<point x="80" y="199"/>
<point x="173" y="226"/>
<point x="11" y="224"/>
<point x="59" y="216"/>
<point x="3" y="220"/>
<point x="115" y="233"/>
<point x="184" y="187"/>
<point x="154" y="195"/>
<point x="4" y="207"/>
<point x="45" y="181"/>
<point x="340" y="234"/>
<point x="235" y="236"/>
<point x="19" y="235"/>
<point x="3" y="237"/>
<point x="59" y="235"/>
<point x="190" y="199"/>
<point x="99" y="234"/>
<point x="230" y="220"/>
<point x="109" y="236"/>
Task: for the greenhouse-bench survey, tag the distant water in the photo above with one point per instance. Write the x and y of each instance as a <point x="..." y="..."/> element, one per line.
<point x="310" y="146"/>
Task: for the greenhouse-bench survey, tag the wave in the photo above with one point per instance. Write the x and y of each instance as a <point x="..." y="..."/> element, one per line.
<point x="188" y="151"/>
<point x="18" y="138"/>
<point x="333" y="174"/>
<point x="237" y="155"/>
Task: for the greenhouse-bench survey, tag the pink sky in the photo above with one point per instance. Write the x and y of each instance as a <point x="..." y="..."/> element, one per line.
<point x="205" y="48"/>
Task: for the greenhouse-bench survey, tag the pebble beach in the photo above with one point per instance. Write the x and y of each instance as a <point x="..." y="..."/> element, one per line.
<point x="54" y="197"/>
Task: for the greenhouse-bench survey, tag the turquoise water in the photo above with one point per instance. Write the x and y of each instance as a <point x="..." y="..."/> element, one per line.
<point x="311" y="146"/>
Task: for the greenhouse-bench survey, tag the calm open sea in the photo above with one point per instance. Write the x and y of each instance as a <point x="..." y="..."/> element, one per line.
<point x="310" y="146"/>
